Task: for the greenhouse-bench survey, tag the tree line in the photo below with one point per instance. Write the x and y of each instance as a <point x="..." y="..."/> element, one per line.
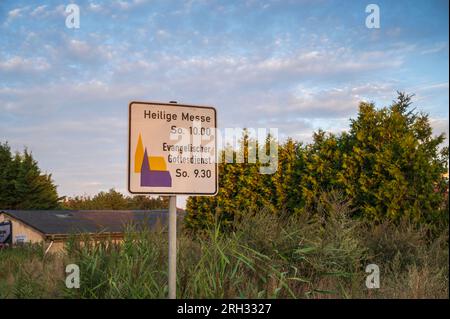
<point x="115" y="200"/>
<point x="389" y="165"/>
<point x="24" y="186"/>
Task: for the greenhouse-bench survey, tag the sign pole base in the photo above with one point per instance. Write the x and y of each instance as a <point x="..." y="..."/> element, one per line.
<point x="172" y="247"/>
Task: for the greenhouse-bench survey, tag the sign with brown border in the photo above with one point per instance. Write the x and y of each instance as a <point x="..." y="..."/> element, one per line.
<point x="172" y="149"/>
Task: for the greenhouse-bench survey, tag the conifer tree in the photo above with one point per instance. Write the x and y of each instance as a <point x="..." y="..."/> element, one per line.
<point x="395" y="167"/>
<point x="389" y="165"/>
<point x="6" y="176"/>
<point x="22" y="185"/>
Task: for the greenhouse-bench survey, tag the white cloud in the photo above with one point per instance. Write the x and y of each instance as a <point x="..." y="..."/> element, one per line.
<point x="60" y="10"/>
<point x="78" y="47"/>
<point x="21" y="64"/>
<point x="437" y="47"/>
<point x="162" y="34"/>
<point x="15" y="13"/>
<point x="39" y="11"/>
<point x="433" y="86"/>
<point x="95" y="7"/>
<point x="440" y="125"/>
<point x="325" y="103"/>
<point x="85" y="52"/>
<point x="125" y="5"/>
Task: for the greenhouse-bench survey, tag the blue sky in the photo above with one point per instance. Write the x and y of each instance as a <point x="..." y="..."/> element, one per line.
<point x="295" y="65"/>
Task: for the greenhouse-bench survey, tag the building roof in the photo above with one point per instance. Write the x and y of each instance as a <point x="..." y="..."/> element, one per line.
<point x="64" y="222"/>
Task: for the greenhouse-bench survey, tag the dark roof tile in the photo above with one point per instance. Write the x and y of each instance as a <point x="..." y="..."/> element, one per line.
<point x="88" y="221"/>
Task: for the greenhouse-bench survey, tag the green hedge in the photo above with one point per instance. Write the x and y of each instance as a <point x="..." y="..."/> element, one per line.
<point x="389" y="165"/>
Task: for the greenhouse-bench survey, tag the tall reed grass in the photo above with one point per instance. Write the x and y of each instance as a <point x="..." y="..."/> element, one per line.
<point x="264" y="255"/>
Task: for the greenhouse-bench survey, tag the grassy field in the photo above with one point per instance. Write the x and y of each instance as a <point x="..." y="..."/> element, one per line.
<point x="267" y="256"/>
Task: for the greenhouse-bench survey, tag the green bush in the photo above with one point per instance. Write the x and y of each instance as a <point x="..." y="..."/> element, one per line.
<point x="22" y="184"/>
<point x="263" y="255"/>
<point x="27" y="273"/>
<point x="389" y="165"/>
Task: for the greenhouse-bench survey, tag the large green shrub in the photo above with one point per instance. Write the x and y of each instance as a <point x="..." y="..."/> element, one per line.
<point x="22" y="184"/>
<point x="389" y="164"/>
<point x="393" y="167"/>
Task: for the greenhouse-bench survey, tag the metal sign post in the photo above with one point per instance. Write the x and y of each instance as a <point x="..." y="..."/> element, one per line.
<point x="172" y="247"/>
<point x="172" y="150"/>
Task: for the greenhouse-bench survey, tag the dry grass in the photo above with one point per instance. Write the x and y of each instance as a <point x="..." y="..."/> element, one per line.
<point x="266" y="256"/>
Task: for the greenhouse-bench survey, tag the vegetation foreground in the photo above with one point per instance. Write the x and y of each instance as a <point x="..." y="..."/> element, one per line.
<point x="377" y="194"/>
<point x="321" y="255"/>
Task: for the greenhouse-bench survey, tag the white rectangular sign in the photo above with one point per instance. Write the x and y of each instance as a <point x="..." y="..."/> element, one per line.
<point x="172" y="149"/>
